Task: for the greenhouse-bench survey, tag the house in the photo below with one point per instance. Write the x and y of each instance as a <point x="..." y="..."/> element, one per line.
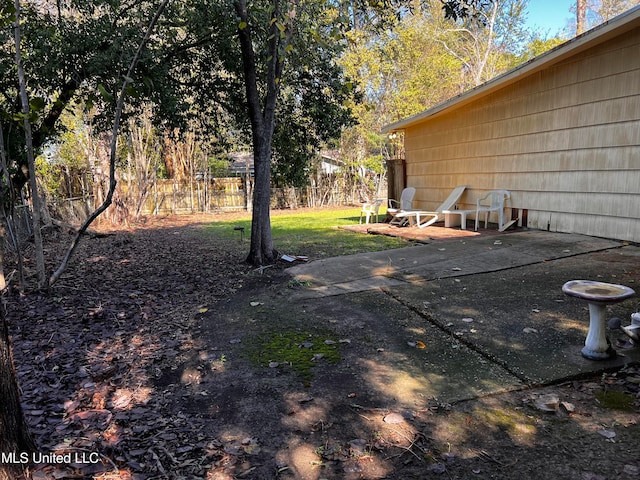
<point x="561" y="132"/>
<point x="241" y="161"/>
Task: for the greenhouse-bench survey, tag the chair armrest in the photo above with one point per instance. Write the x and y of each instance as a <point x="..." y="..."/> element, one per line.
<point x="394" y="203"/>
<point x="483" y="198"/>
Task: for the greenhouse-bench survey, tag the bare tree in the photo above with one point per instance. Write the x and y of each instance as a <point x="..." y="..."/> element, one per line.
<point x="143" y="157"/>
<point x="581" y="16"/>
<point x="481" y="43"/>
<point x="33" y="183"/>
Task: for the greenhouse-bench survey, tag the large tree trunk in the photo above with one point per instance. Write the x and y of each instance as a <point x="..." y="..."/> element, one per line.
<point x="261" y="251"/>
<point x="15" y="439"/>
<point x="262" y="116"/>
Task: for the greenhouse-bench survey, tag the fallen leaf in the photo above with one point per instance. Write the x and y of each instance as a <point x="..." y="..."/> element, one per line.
<point x="393" y="418"/>
<point x="437" y="468"/>
<point x="547" y="403"/>
<point x="568" y="407"/>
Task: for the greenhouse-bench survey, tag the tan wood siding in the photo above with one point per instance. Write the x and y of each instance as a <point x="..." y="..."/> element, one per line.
<point x="565" y="141"/>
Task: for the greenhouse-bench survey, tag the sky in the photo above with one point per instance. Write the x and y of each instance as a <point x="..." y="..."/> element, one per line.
<point x="551" y="16"/>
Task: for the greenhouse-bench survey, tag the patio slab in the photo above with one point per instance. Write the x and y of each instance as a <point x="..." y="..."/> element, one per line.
<point x="491" y="308"/>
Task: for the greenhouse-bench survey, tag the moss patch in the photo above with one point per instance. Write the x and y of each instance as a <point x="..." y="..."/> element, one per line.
<point x="299" y="351"/>
<point x="615" y="400"/>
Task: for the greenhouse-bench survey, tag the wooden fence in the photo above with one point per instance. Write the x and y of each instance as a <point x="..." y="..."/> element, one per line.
<point x="216" y="195"/>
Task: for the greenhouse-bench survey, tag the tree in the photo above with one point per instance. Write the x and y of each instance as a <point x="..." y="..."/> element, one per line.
<point x="277" y="35"/>
<point x="14" y="432"/>
<point x="119" y="105"/>
<point x="405" y="70"/>
<point x="272" y="35"/>
<point x="581" y="16"/>
<point x="28" y="136"/>
<point x="590" y="13"/>
<point x="490" y="46"/>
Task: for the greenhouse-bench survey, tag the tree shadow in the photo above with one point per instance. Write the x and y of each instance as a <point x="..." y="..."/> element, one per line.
<point x="140" y="356"/>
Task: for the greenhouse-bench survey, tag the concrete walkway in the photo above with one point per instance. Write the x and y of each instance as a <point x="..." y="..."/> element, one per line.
<point x="490" y="308"/>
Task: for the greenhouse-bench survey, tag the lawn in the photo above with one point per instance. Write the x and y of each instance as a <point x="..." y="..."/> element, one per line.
<point x="311" y="232"/>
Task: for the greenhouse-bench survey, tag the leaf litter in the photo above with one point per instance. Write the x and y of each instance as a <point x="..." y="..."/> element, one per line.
<point x="88" y="356"/>
<point x="95" y="358"/>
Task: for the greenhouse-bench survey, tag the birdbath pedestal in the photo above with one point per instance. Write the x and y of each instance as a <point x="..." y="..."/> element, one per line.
<point x="598" y="295"/>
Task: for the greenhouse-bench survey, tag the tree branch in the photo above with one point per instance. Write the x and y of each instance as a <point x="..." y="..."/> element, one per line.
<point x="114" y="139"/>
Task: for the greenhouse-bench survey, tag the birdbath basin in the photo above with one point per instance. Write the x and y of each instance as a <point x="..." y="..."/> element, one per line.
<point x="598" y="295"/>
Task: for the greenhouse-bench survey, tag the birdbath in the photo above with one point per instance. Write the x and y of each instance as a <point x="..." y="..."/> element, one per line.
<point x="598" y="295"/>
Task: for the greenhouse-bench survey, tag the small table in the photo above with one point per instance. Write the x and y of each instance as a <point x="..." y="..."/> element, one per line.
<point x="450" y="220"/>
<point x="598" y="295"/>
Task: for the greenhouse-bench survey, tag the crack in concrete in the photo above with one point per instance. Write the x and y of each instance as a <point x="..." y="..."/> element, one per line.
<point x="487" y="355"/>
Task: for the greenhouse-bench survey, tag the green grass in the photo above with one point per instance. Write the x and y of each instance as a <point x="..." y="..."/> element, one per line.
<point x="312" y="233"/>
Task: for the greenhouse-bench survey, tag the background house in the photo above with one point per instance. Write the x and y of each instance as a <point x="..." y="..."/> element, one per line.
<point x="561" y="132"/>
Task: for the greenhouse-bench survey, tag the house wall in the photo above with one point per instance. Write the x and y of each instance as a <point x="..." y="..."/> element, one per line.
<point x="564" y="140"/>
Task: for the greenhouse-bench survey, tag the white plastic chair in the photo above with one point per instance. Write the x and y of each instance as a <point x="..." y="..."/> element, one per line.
<point x="424" y="218"/>
<point x="395" y="206"/>
<point x="371" y="210"/>
<point x="497" y="199"/>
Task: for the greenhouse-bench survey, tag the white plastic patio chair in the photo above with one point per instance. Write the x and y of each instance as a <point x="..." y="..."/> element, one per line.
<point x="370" y="210"/>
<point x="397" y="206"/>
<point x="497" y="199"/>
<point x="424" y="218"/>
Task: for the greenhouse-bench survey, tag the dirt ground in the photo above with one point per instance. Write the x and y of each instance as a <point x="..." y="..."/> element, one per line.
<point x="160" y="354"/>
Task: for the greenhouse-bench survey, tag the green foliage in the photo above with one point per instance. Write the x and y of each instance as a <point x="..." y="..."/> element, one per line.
<point x="50" y="175"/>
<point x="74" y="54"/>
<point x="73" y="142"/>
<point x="424" y="60"/>
<point x="401" y="72"/>
<point x="218" y="167"/>
<point x="538" y="46"/>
